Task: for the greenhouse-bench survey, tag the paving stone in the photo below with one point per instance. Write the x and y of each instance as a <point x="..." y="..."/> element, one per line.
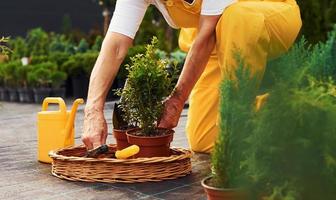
<point x="194" y="192"/>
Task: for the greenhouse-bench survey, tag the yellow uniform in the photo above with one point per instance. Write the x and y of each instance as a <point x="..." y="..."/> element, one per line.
<point x="259" y="29"/>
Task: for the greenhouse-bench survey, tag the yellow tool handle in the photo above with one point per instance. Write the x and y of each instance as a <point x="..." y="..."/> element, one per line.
<point x="128" y="152"/>
<point x="54" y="100"/>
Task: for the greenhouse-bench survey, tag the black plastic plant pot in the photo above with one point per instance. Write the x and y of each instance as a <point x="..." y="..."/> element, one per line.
<point x="26" y="95"/>
<point x="80" y="85"/>
<point x="13" y="95"/>
<point x="58" y="92"/>
<point x="4" y="96"/>
<point x="40" y="94"/>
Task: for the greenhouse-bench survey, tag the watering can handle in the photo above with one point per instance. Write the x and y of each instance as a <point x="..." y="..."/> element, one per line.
<point x="54" y="100"/>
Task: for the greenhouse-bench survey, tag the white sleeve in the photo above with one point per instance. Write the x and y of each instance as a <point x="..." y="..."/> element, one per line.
<point x="128" y="16"/>
<point x="215" y="7"/>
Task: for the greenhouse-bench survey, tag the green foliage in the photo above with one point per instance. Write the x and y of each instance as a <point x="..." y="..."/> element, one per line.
<point x="147" y="85"/>
<point x="83" y="46"/>
<point x="37" y="42"/>
<point x="19" y="47"/>
<point x="79" y="64"/>
<point x="236" y="111"/>
<point x="318" y="18"/>
<point x="294" y="142"/>
<point x="9" y="75"/>
<point x="57" y="78"/>
<point x="40" y="75"/>
<point x="98" y="43"/>
<point x="286" y="150"/>
<point x="22" y="75"/>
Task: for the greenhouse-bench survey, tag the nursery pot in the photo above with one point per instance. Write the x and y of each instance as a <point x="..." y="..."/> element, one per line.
<point x="158" y="146"/>
<point x="13" y="95"/>
<point x="58" y="92"/>
<point x="40" y="94"/>
<point x="214" y="193"/>
<point x="80" y="85"/>
<point x="26" y="95"/>
<point x="4" y="96"/>
<point x="121" y="139"/>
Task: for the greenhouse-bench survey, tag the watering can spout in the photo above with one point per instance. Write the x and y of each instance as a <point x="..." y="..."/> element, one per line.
<point x="70" y="122"/>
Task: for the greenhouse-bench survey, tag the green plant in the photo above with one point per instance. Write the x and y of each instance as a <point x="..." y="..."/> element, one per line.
<point x="293" y="145"/>
<point x="83" y="46"/>
<point x="57" y="78"/>
<point x="9" y="73"/>
<point x="40" y="75"/>
<point x="37" y="42"/>
<point x="147" y="85"/>
<point x="237" y="98"/>
<point x="22" y="75"/>
<point x="98" y="43"/>
<point x="80" y="64"/>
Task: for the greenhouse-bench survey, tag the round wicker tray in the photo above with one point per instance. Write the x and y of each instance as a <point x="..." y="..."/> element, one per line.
<point x="70" y="164"/>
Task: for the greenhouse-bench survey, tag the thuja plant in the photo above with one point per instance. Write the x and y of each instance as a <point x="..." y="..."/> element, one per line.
<point x="237" y="108"/>
<point x="292" y="151"/>
<point x="292" y="146"/>
<point x="148" y="84"/>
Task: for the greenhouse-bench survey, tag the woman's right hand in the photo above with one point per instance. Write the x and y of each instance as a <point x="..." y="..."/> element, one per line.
<point x="95" y="127"/>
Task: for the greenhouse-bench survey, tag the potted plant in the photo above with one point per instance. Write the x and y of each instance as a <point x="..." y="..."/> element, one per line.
<point x="147" y="85"/>
<point x="25" y="92"/>
<point x="3" y="90"/>
<point x="57" y="83"/>
<point x="237" y="108"/>
<point x="11" y="79"/>
<point x="40" y="78"/>
<point x="121" y="125"/>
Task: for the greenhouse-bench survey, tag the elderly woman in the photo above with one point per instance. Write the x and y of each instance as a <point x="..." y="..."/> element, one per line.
<point x="211" y="31"/>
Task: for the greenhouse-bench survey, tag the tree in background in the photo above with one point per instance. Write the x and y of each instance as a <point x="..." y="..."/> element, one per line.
<point x="318" y="18"/>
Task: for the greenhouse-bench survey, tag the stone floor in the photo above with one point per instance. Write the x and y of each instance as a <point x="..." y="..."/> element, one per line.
<point x="23" y="177"/>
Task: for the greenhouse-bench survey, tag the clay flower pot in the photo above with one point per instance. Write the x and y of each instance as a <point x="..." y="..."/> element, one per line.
<point x="121" y="139"/>
<point x="214" y="193"/>
<point x="158" y="146"/>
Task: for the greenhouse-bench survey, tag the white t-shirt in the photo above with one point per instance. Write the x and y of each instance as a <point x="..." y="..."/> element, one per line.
<point x="129" y="14"/>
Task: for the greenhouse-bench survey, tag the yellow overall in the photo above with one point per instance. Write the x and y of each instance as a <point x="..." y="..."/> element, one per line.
<point x="259" y="29"/>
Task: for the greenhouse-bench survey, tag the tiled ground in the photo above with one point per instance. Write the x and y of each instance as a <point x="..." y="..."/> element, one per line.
<point x="22" y="177"/>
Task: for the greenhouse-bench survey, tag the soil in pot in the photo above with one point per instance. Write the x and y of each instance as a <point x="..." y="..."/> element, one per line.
<point x="151" y="146"/>
<point x="40" y="94"/>
<point x="58" y="92"/>
<point x="26" y="95"/>
<point x="4" y="96"/>
<point x="214" y="193"/>
<point x="13" y="95"/>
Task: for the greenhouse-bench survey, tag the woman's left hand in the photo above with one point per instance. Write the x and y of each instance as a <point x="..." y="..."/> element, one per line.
<point x="171" y="113"/>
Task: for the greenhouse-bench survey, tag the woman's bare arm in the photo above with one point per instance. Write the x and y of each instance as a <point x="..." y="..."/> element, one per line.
<point x="112" y="54"/>
<point x="194" y="66"/>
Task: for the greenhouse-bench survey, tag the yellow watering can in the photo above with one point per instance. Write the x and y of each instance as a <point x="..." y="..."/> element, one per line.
<point x="55" y="128"/>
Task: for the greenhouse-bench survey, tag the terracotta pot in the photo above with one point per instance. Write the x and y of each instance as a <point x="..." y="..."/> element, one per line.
<point x="121" y="139"/>
<point x="151" y="146"/>
<point x="214" y="193"/>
